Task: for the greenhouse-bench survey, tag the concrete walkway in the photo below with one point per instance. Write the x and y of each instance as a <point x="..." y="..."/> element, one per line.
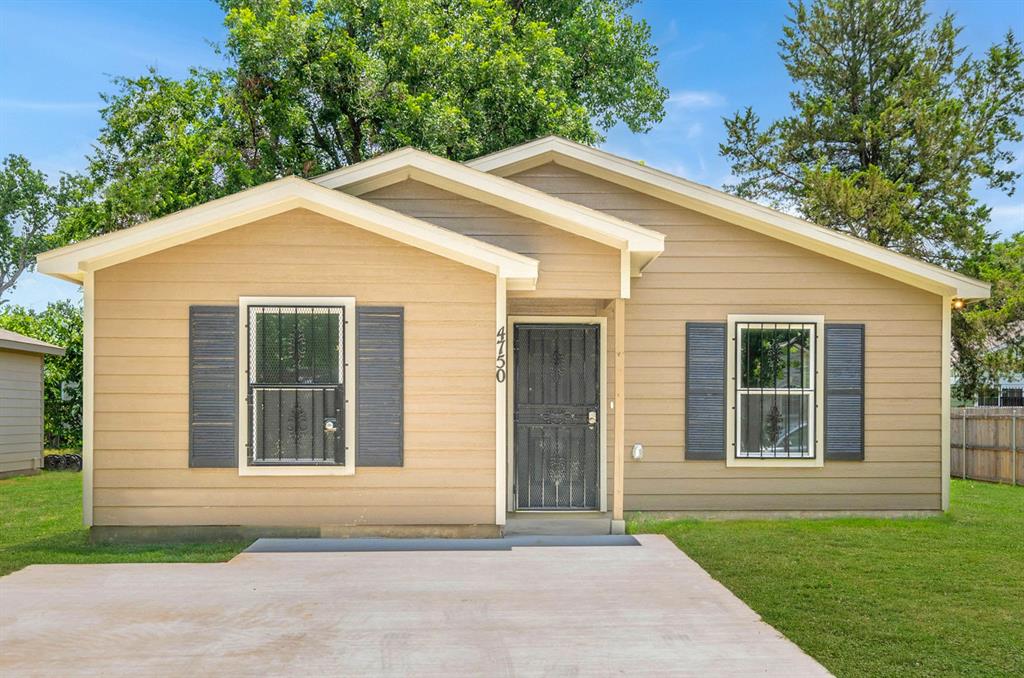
<point x="542" y="611"/>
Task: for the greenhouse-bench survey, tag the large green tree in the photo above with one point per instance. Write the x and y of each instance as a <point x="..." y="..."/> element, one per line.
<point x="313" y="85"/>
<point x="893" y="125"/>
<point x="37" y="214"/>
<point x="988" y="337"/>
<point x="165" y="145"/>
<point x="28" y="218"/>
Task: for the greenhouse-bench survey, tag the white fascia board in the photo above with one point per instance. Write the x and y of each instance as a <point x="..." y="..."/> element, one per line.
<point x="274" y="198"/>
<point x="735" y="210"/>
<point x="30" y="347"/>
<point x="408" y="163"/>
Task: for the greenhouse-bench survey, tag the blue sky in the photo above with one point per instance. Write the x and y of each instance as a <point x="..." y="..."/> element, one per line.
<point x="716" y="57"/>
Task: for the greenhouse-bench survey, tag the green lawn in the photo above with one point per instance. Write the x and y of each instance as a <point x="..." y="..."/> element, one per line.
<point x="41" y="522"/>
<point x="939" y="596"/>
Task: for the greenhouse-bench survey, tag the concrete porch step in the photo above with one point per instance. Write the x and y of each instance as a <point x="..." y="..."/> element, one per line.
<point x="383" y="544"/>
<point x="557" y="524"/>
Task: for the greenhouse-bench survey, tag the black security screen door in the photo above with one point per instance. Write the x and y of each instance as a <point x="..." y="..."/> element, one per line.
<point x="556" y="409"/>
<point x="296" y="385"/>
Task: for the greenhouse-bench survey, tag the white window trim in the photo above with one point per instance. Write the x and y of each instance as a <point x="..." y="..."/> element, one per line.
<point x="349" y="467"/>
<point x="818" y="420"/>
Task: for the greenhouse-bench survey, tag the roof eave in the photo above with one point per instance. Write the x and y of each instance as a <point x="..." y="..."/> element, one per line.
<point x="26" y="347"/>
<point x="735" y="210"/>
<point x="409" y="163"/>
<point x="71" y="262"/>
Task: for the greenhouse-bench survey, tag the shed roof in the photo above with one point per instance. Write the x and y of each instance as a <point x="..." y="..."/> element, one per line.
<point x="12" y="341"/>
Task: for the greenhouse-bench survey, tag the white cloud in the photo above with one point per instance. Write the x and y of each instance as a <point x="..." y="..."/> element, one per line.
<point x="694" y="130"/>
<point x="29" y="105"/>
<point x="1007" y="219"/>
<point x="692" y="99"/>
<point x="36" y="290"/>
<point x="1013" y="214"/>
<point x="682" y="53"/>
<point x="677" y="168"/>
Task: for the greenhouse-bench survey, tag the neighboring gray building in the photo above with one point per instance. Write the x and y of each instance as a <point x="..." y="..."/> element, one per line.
<point x="1008" y="393"/>
<point x="21" y="402"/>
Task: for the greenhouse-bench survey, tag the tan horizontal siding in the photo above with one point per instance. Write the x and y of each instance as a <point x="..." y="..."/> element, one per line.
<point x="730" y="501"/>
<point x="570" y="266"/>
<point x="711" y="269"/>
<point x="168" y="451"/>
<point x="141" y="386"/>
<point x="438" y="512"/>
<point x="21" y="411"/>
<point x="386" y="479"/>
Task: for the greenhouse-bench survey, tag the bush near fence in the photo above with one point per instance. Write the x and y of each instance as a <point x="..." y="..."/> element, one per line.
<point x="991" y="440"/>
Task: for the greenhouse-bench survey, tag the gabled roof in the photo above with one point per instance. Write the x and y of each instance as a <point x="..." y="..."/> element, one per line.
<point x="641" y="244"/>
<point x="19" y="342"/>
<point x="71" y="262"/>
<point x="735" y="210"/>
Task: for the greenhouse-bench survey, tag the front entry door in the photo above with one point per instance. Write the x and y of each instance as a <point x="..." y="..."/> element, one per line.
<point x="557" y="432"/>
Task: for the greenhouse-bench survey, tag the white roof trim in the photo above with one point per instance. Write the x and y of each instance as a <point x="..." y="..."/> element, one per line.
<point x="276" y="197"/>
<point x="12" y="341"/>
<point x="642" y="244"/>
<point x="735" y="210"/>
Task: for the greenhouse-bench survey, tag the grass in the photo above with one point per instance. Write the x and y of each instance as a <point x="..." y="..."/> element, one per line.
<point x="41" y="522"/>
<point x="939" y="596"/>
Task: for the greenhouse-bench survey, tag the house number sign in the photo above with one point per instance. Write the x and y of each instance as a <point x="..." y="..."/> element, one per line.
<point x="499" y="364"/>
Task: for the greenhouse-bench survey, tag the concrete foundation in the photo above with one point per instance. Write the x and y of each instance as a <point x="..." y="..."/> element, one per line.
<point x="200" y="533"/>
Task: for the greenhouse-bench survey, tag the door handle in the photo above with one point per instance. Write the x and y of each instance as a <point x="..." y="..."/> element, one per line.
<point x="330" y="425"/>
<point x="591" y="418"/>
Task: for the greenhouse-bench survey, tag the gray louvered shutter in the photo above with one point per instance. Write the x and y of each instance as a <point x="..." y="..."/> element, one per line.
<point x="705" y="390"/>
<point x="380" y="337"/>
<point x="844" y="392"/>
<point x="213" y="386"/>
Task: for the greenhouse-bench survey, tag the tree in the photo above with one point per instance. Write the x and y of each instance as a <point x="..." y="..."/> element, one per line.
<point x="325" y="83"/>
<point x="892" y="124"/>
<point x="165" y="145"/>
<point x="59" y="324"/>
<point x="988" y="337"/>
<point x="28" y="218"/>
<point x="313" y="85"/>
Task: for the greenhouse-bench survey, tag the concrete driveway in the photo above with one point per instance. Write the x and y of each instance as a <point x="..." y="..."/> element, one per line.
<point x="553" y="611"/>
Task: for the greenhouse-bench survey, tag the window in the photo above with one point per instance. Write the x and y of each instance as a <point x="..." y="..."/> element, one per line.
<point x="775" y="381"/>
<point x="298" y="383"/>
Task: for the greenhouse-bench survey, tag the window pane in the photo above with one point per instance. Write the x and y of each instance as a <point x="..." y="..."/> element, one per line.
<point x="295" y="346"/>
<point x="774" y="425"/>
<point x="295" y="385"/>
<point x="775" y="357"/>
<point x="289" y="425"/>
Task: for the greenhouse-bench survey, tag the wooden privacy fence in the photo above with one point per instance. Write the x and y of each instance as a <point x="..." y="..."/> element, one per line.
<point x="990" y="440"/>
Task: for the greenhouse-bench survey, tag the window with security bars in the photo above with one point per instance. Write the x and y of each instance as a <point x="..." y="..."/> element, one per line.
<point x="296" y="389"/>
<point x="775" y="395"/>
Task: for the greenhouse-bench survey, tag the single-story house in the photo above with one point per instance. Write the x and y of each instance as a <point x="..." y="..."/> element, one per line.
<point x="411" y="345"/>
<point x="1007" y="393"/>
<point x="21" y="402"/>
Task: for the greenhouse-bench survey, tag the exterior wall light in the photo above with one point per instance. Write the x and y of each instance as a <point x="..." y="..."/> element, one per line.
<point x="958" y="303"/>
<point x="638" y="452"/>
